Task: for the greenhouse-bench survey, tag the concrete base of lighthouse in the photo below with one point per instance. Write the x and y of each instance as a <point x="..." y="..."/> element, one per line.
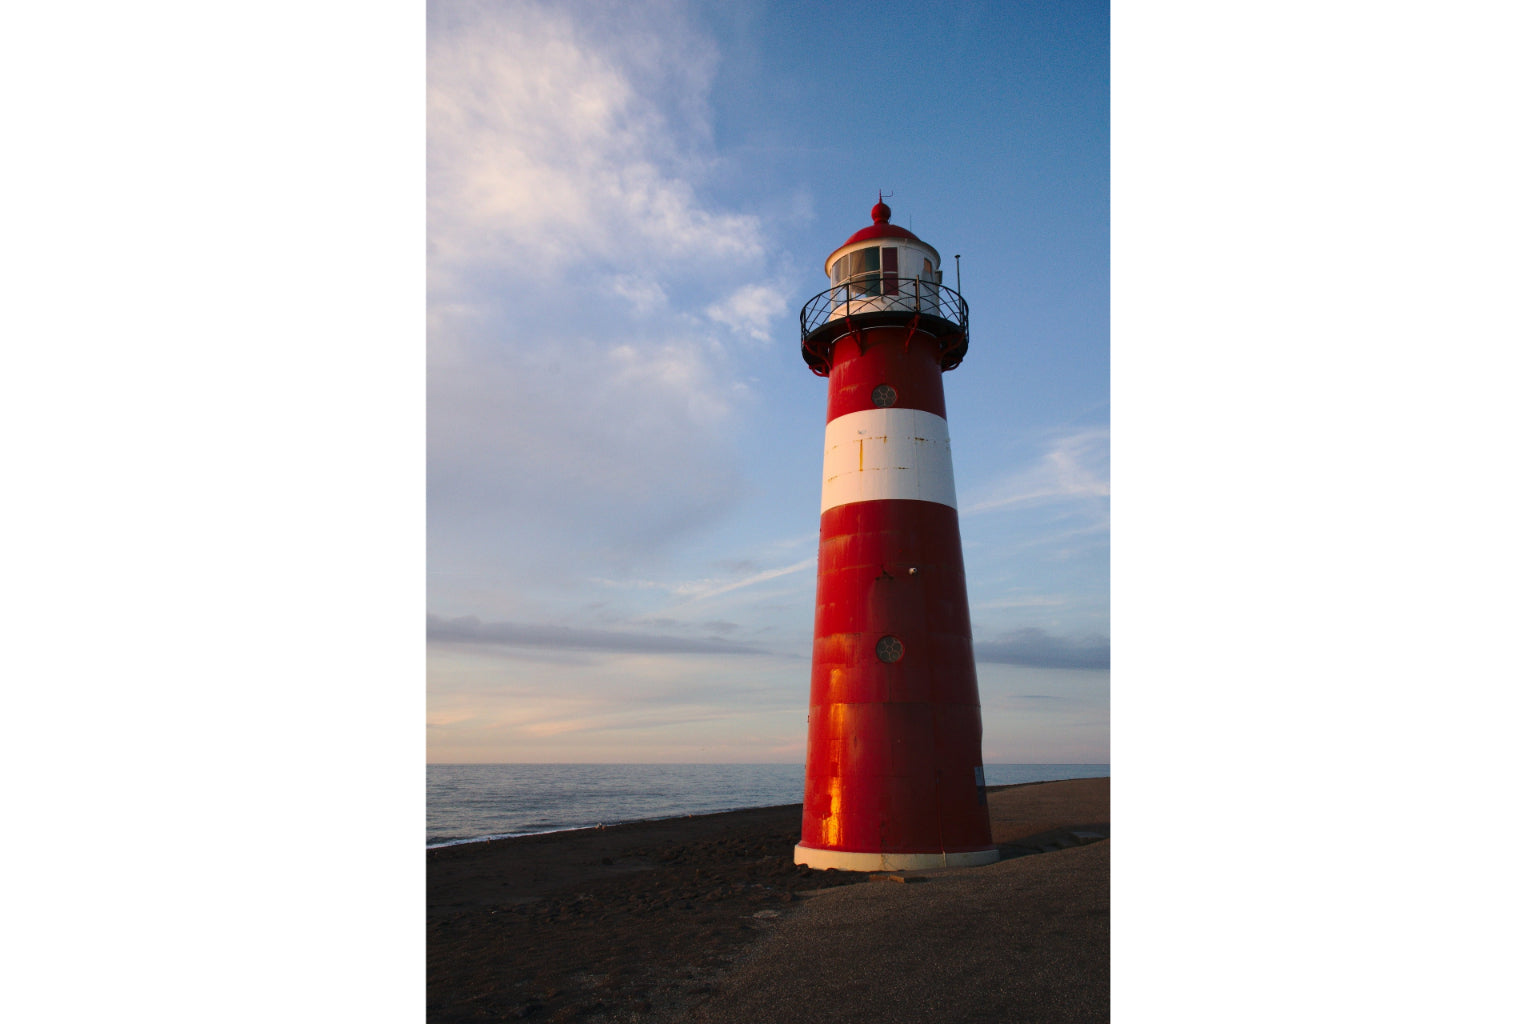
<point x="845" y="860"/>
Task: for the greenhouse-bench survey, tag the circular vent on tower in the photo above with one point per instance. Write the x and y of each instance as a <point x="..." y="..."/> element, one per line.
<point x="888" y="650"/>
<point x="883" y="396"/>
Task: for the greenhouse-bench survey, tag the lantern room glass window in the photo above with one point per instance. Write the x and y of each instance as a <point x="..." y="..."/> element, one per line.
<point x="861" y="270"/>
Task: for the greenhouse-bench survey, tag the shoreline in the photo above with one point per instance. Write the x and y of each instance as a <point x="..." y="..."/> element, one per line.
<point x="707" y="918"/>
<point x="496" y="836"/>
<point x="602" y="825"/>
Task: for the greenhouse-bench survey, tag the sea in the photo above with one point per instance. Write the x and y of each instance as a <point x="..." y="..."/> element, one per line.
<point x="468" y="803"/>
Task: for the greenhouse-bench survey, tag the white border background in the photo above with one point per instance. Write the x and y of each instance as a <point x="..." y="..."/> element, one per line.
<point x="1322" y="336"/>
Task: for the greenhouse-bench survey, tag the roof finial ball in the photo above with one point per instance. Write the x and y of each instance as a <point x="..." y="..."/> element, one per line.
<point x="880" y="213"/>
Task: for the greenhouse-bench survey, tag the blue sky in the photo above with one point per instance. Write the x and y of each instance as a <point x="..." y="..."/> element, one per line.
<point x="627" y="206"/>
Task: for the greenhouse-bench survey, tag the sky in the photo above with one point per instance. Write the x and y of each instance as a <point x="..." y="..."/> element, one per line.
<point x="627" y="205"/>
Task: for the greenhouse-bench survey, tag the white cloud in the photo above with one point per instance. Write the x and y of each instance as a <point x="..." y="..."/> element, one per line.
<point x="578" y="410"/>
<point x="550" y="147"/>
<point x="751" y="309"/>
<point x="645" y="295"/>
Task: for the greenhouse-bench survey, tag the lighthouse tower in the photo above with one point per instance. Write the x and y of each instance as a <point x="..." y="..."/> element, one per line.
<point x="893" y="775"/>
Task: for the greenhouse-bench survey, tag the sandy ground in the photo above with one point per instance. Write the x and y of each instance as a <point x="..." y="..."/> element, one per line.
<point x="707" y="919"/>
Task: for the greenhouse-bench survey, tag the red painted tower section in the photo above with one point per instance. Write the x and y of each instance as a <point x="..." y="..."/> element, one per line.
<point x="893" y="752"/>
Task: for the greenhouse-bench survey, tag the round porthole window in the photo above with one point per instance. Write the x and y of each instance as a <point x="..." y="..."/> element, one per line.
<point x="884" y="396"/>
<point x="888" y="650"/>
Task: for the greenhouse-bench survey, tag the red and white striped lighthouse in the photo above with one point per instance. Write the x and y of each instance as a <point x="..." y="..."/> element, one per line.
<point x="893" y="775"/>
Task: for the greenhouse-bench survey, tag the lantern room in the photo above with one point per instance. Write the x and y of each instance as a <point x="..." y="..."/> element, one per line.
<point x="873" y="259"/>
<point x="883" y="274"/>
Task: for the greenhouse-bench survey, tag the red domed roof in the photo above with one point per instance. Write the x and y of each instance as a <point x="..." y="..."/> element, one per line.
<point x="881" y="228"/>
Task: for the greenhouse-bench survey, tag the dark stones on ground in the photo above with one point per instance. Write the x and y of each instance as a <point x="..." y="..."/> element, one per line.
<point x="659" y="921"/>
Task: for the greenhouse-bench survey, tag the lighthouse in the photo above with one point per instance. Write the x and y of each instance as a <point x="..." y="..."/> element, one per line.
<point x="893" y="775"/>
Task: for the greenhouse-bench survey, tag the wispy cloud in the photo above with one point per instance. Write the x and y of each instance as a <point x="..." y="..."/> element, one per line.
<point x="698" y="590"/>
<point x="1073" y="467"/>
<point x="701" y="589"/>
<point x="470" y="630"/>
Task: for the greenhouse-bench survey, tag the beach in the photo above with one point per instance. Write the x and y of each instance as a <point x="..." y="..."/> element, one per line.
<point x="707" y="919"/>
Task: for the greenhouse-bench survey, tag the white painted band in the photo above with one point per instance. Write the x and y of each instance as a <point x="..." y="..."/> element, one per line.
<point x="815" y="857"/>
<point x="880" y="454"/>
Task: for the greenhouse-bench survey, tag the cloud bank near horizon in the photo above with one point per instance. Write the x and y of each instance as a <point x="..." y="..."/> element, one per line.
<point x="1028" y="647"/>
<point x="470" y="630"/>
<point x="1038" y="649"/>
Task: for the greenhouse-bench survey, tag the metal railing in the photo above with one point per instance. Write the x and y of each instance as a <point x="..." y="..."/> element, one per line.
<point x="936" y="306"/>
